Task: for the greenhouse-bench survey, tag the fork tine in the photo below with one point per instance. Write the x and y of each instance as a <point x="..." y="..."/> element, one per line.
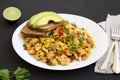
<point x="116" y="33"/>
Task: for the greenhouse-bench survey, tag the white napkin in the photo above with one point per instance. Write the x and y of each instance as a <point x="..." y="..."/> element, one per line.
<point x="111" y="21"/>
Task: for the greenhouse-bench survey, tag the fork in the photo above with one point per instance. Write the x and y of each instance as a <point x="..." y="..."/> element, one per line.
<point x="116" y="37"/>
<point x="106" y="61"/>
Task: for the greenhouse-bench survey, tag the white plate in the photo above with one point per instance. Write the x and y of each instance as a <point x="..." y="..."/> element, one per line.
<point x="98" y="34"/>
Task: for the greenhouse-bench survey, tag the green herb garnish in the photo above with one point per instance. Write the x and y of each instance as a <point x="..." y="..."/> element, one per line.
<point x="81" y="37"/>
<point x="4" y="74"/>
<point x="18" y="74"/>
<point x="24" y="45"/>
<point x="74" y="46"/>
<point x="80" y="44"/>
<point x="51" y="64"/>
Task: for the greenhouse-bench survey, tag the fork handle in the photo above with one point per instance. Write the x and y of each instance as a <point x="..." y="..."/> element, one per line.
<point x="105" y="63"/>
<point x="116" y="62"/>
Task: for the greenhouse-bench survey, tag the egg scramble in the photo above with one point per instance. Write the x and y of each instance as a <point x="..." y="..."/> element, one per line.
<point x="64" y="45"/>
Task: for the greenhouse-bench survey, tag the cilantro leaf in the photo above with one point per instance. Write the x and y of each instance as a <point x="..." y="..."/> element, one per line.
<point x="21" y="74"/>
<point x="18" y="74"/>
<point x="74" y="46"/>
<point x="4" y="74"/>
<point x="81" y="37"/>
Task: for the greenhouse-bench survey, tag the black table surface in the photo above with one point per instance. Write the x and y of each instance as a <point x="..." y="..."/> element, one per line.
<point x="96" y="10"/>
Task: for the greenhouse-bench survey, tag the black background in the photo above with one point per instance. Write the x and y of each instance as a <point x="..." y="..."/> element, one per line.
<point x="96" y="10"/>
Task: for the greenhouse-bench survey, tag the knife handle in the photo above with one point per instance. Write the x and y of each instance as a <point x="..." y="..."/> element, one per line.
<point x="116" y="62"/>
<point x="105" y="63"/>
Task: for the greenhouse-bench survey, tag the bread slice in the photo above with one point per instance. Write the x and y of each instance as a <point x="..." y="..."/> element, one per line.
<point x="48" y="27"/>
<point x="26" y="31"/>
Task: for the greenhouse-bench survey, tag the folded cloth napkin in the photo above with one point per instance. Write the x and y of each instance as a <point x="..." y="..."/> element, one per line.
<point x="111" y="21"/>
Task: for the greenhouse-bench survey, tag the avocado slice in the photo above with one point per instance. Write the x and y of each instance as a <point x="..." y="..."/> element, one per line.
<point x="45" y="20"/>
<point x="34" y="18"/>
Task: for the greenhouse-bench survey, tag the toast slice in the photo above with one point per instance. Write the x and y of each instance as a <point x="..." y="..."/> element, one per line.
<point x="26" y="31"/>
<point x="48" y="27"/>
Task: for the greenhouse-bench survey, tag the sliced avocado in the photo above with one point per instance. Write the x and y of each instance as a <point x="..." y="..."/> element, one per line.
<point x="34" y="18"/>
<point x="45" y="19"/>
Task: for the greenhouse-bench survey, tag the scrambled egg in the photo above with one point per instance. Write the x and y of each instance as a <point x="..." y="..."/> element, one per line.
<point x="64" y="45"/>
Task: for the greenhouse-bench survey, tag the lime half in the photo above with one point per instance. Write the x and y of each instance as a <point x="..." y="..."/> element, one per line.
<point x="11" y="13"/>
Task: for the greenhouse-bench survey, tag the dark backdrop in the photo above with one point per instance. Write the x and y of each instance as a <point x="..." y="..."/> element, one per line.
<point x="96" y="10"/>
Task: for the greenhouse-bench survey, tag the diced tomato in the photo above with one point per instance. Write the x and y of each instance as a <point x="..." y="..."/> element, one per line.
<point x="50" y="49"/>
<point x="57" y="37"/>
<point x="65" y="52"/>
<point x="78" y="32"/>
<point x="60" y="31"/>
<point x="48" y="61"/>
<point x="25" y="48"/>
<point x="83" y="55"/>
<point x="54" y="56"/>
<point x="73" y="28"/>
<point x="77" y="52"/>
<point x="88" y="40"/>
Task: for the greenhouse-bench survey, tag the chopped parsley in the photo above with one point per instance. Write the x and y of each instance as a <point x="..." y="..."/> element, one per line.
<point x="74" y="46"/>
